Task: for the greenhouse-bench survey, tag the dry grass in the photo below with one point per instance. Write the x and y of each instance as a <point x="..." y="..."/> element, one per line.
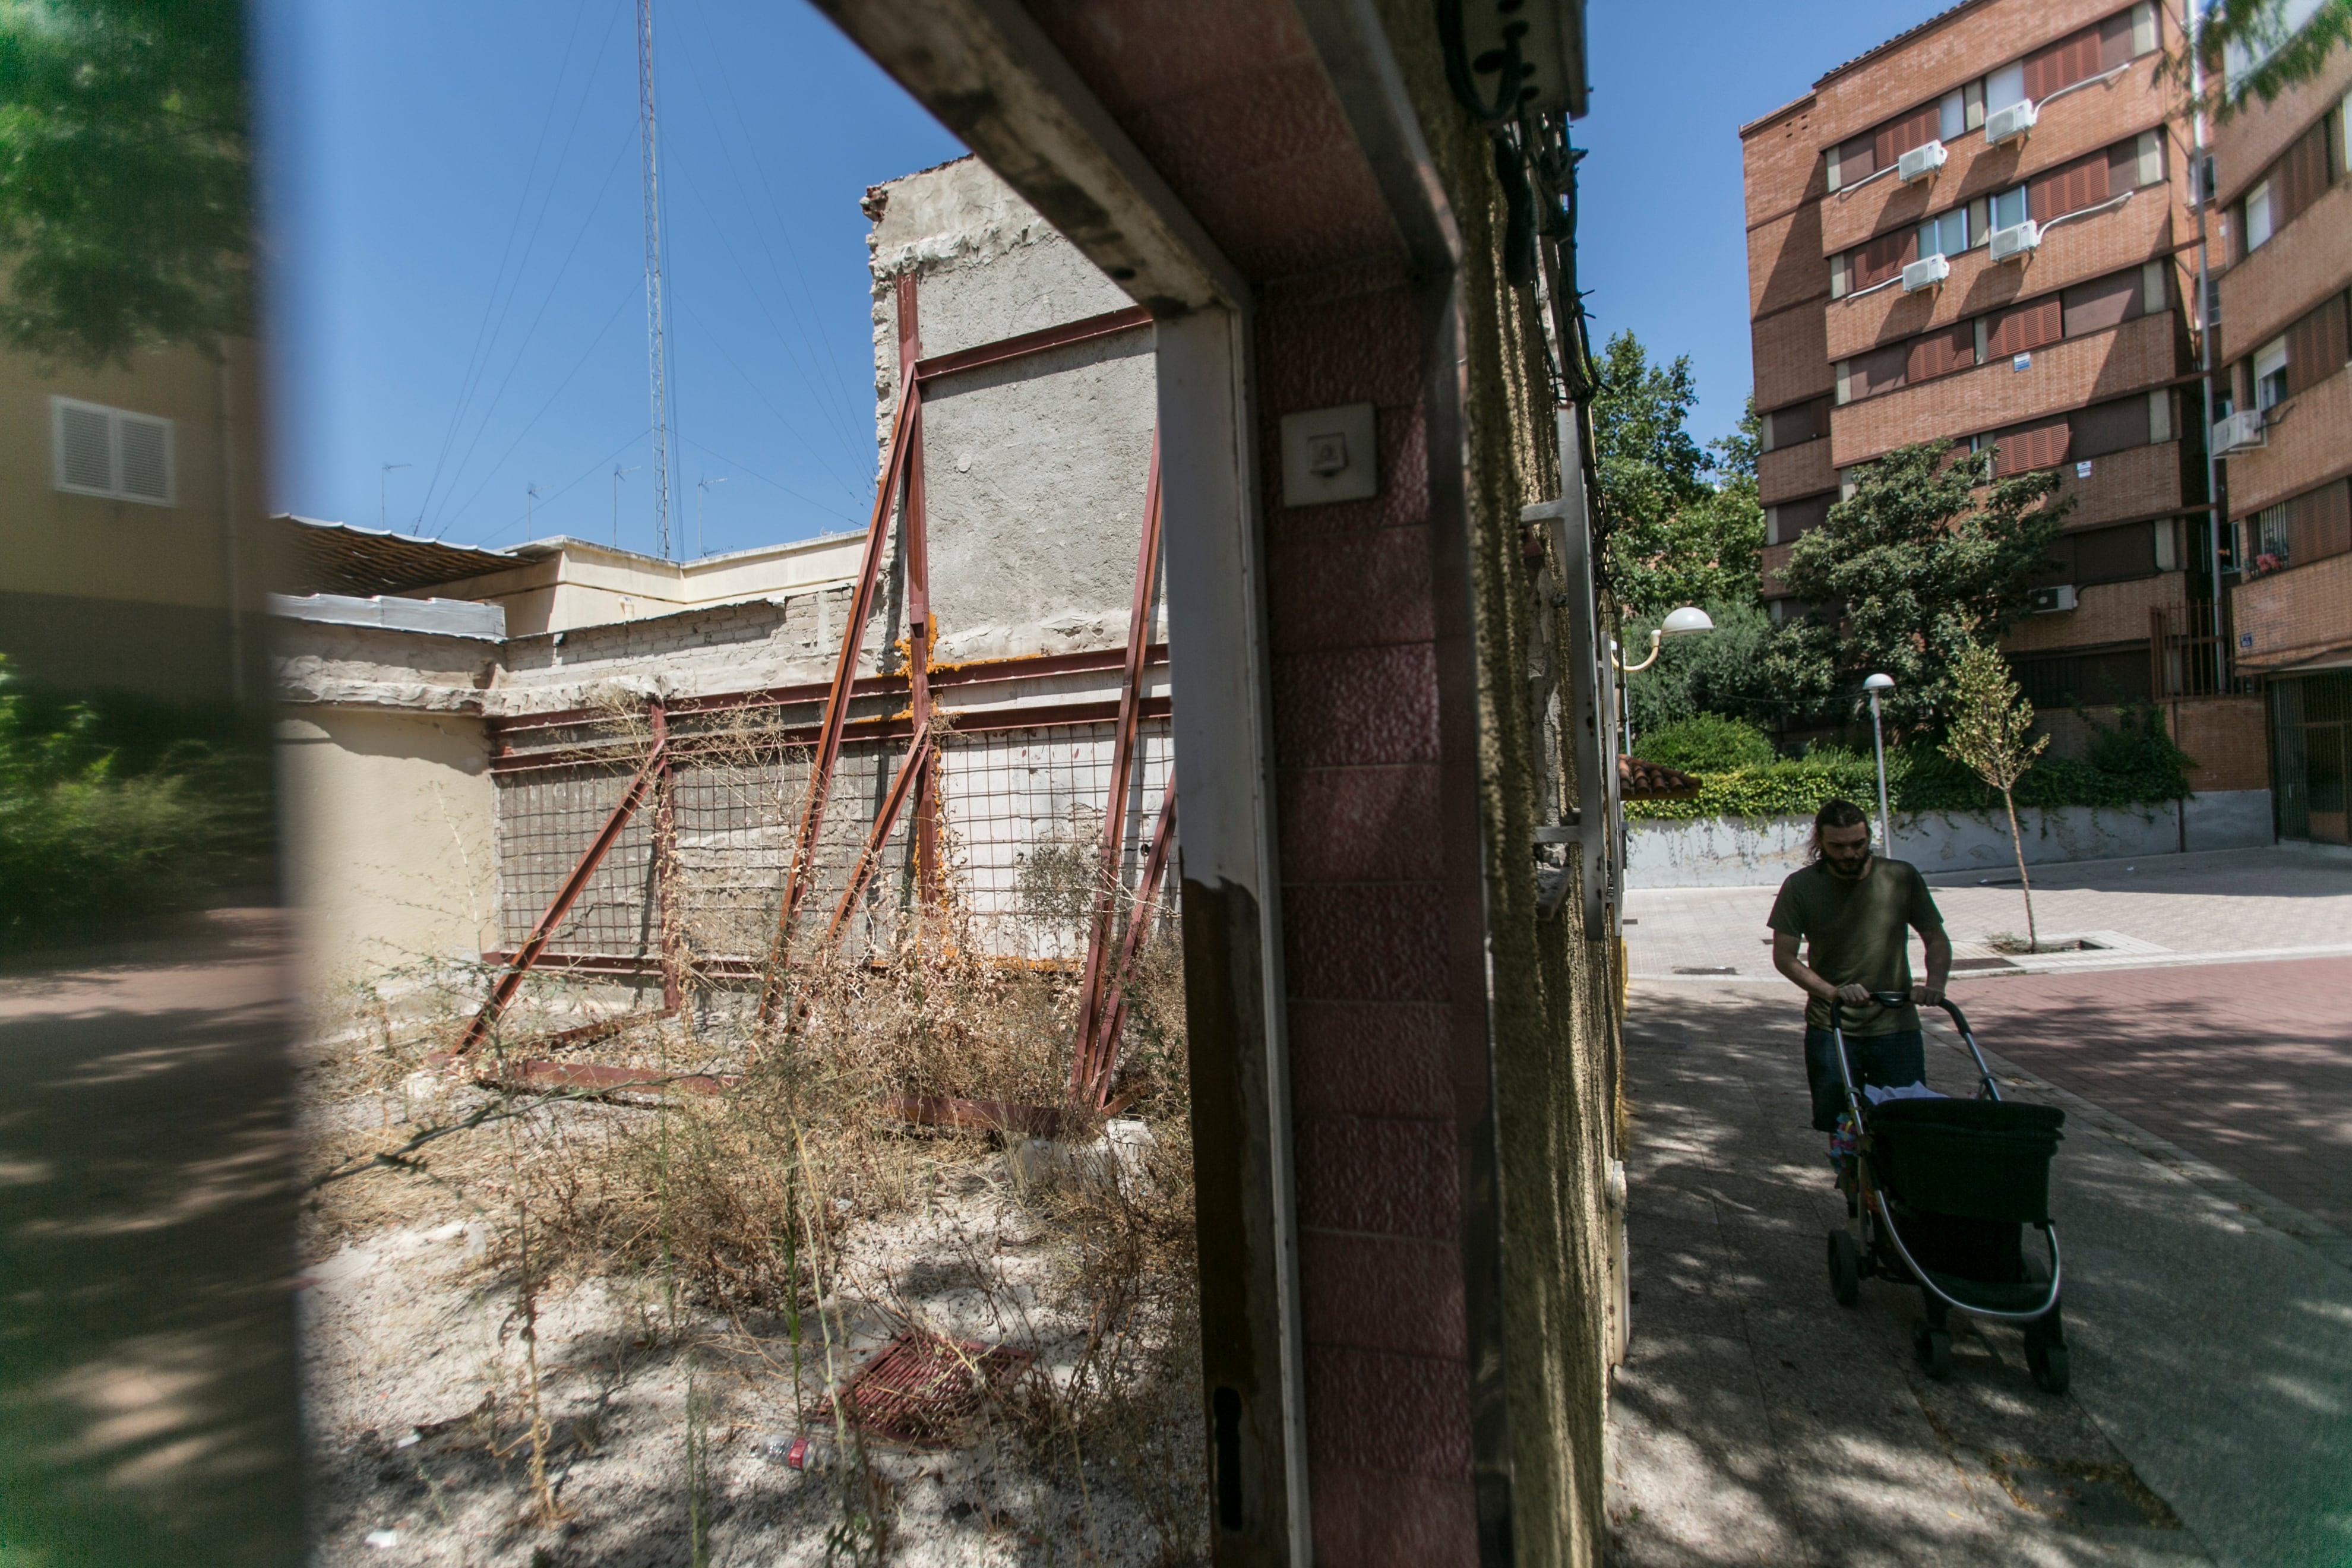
<point x="775" y="1217"/>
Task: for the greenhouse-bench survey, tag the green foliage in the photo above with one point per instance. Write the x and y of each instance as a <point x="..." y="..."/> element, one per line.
<point x="1929" y="556"/>
<point x="1706" y="743"/>
<point x="1991" y="729"/>
<point x="1919" y="778"/>
<point x="121" y="809"/>
<point x="125" y="186"/>
<point x="1721" y="672"/>
<point x="1684" y="527"/>
<point x="2285" y="56"/>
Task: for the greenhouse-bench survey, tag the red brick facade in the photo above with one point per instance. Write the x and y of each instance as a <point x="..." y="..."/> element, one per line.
<point x="1806" y="343"/>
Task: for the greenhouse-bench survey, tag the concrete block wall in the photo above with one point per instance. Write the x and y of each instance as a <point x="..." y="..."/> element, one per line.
<point x="1034" y="471"/>
<point x="1746" y="852"/>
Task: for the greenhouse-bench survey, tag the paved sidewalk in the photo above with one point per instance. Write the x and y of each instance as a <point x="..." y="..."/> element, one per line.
<point x="1757" y="1423"/>
<point x="2219" y="907"/>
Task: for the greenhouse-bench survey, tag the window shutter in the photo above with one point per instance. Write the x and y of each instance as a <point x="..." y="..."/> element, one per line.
<point x="1916" y="128"/>
<point x="1881" y="259"/>
<point x="1795" y="518"/>
<point x="2024" y="327"/>
<point x="2319" y="523"/>
<point x="85" y="449"/>
<point x="2103" y="303"/>
<point x="2115" y="554"/>
<point x="2316" y="346"/>
<point x="1881" y="370"/>
<point x="146" y="457"/>
<point x="2114" y="42"/>
<point x="2116" y="426"/>
<point x="1940" y="354"/>
<point x="2029" y="447"/>
<point x="2300" y="177"/>
<point x="2062" y="64"/>
<point x="2070" y="187"/>
<point x="1856" y="161"/>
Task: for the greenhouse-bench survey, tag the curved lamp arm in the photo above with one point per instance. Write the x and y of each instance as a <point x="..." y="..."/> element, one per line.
<point x="1656" y="639"/>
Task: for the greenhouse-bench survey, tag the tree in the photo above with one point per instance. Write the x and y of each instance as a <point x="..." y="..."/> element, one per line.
<point x="1723" y="672"/>
<point x="2271" y="46"/>
<point x="1989" y="734"/>
<point x="1682" y="527"/>
<point x="125" y="180"/>
<point x="1930" y="555"/>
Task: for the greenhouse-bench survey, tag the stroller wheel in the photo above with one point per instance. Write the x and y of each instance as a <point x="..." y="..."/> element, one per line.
<point x="2049" y="1365"/>
<point x="1934" y="1348"/>
<point x="1845" y="1268"/>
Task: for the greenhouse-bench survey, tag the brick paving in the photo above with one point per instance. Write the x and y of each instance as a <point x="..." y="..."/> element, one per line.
<point x="2223" y="903"/>
<point x="1755" y="1423"/>
<point x="2246" y="1065"/>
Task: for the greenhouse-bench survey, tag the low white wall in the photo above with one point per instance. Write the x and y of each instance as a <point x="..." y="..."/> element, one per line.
<point x="1739" y="852"/>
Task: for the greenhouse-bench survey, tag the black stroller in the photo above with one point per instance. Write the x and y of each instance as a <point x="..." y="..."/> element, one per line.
<point x="1944" y="1190"/>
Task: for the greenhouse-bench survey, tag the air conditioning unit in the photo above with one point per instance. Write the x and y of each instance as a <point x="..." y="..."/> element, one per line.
<point x="1926" y="272"/>
<point x="2050" y="601"/>
<point x="2018" y="239"/>
<point x="2008" y="124"/>
<point x="1919" y="163"/>
<point x="2240" y="432"/>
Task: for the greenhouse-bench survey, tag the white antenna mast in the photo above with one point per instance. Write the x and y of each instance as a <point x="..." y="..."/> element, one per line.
<point x="654" y="355"/>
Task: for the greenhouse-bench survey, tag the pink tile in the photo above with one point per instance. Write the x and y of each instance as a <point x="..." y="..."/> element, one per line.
<point x="1377" y="1411"/>
<point x="1377" y="1519"/>
<point x="1380" y="1292"/>
<point x="1365" y="941"/>
<point x="1356" y="707"/>
<point x="1359" y="824"/>
<point x="1357" y="591"/>
<point x="1378" y="1177"/>
<point x="1364" y="349"/>
<point x="1371" y="1058"/>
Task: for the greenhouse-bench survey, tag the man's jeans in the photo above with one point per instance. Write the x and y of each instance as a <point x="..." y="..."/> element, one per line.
<point x="1889" y="1060"/>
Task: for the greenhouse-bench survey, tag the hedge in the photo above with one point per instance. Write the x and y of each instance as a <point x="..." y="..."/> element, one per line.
<point x="1917" y="780"/>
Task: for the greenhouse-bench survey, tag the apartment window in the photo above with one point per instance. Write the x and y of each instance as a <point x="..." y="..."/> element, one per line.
<point x="2257" y="222"/>
<point x="1947" y="235"/>
<point x="2311" y="527"/>
<point x="2008" y="208"/>
<point x="2004" y="87"/>
<point x="1808" y="421"/>
<point x="2103" y="303"/>
<point x="1792" y="519"/>
<point x="1866" y="375"/>
<point x="2094" y="51"/>
<point x="2270" y="374"/>
<point x="1940" y="353"/>
<point x="110" y="452"/>
<point x="2102" y="555"/>
<point x="2107" y="675"/>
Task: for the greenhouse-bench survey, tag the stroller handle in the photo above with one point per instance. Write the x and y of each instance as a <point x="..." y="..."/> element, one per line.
<point x="1897" y="999"/>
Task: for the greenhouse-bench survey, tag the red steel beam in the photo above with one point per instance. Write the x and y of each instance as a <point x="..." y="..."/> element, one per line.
<point x="1130" y="691"/>
<point x="1104" y="1056"/>
<point x="922" y="634"/>
<point x="1109" y="324"/>
<point x="916" y="760"/>
<point x="979" y="672"/>
<point x="573" y="886"/>
<point x="836" y="709"/>
<point x="664" y="859"/>
<point x="890" y="726"/>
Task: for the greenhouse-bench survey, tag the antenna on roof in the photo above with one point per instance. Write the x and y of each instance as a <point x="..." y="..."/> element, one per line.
<point x="649" y="138"/>
<point x="383" y="484"/>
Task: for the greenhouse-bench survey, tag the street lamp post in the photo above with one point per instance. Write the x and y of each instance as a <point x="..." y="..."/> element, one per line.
<point x="1875" y="684"/>
<point x="1683" y="622"/>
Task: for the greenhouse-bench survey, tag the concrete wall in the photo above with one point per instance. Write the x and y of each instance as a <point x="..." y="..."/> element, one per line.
<point x="1034" y="470"/>
<point x="386" y="836"/>
<point x="1745" y="852"/>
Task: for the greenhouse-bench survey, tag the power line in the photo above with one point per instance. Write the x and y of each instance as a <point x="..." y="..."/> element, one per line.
<point x="577" y="481"/>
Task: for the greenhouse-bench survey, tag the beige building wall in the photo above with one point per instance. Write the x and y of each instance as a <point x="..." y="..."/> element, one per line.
<point x="386" y="839"/>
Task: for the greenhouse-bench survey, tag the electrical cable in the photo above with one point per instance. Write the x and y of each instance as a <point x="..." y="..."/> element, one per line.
<point x="584" y="475"/>
<point x="852" y="522"/>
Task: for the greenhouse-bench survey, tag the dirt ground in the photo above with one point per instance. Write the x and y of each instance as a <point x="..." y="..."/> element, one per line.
<point x="666" y="1423"/>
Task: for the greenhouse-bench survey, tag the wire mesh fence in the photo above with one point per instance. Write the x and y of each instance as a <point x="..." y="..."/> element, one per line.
<point x="706" y="857"/>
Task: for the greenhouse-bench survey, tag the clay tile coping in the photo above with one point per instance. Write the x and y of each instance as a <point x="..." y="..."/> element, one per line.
<point x="1638" y="780"/>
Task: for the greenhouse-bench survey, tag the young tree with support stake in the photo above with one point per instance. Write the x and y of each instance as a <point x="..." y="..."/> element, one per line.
<point x="1989" y="735"/>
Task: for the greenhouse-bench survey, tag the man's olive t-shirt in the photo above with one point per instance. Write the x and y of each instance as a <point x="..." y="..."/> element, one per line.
<point x="1857" y="932"/>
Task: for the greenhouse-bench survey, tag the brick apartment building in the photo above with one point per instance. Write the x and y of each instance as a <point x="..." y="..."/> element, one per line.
<point x="2283" y="230"/>
<point x="1982" y="229"/>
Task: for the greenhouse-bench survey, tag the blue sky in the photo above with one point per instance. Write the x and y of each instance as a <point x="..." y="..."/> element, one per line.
<point x="456" y="245"/>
